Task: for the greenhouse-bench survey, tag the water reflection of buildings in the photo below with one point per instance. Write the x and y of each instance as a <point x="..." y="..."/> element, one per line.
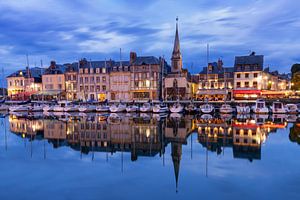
<point x="245" y="136"/>
<point x="144" y="135"/>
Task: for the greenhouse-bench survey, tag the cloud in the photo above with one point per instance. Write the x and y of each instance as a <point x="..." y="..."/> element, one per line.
<point x="96" y="29"/>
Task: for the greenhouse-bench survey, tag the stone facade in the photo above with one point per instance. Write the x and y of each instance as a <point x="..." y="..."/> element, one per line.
<point x="93" y="80"/>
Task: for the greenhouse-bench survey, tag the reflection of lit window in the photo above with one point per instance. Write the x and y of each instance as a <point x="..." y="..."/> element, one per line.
<point x="242" y="132"/>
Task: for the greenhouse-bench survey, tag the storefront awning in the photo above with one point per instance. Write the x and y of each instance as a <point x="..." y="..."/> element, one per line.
<point x="258" y="92"/>
<point x="49" y="93"/>
<point x="212" y="92"/>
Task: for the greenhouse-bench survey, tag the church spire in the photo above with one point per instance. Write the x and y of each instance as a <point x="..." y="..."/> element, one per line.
<point x="176" y="55"/>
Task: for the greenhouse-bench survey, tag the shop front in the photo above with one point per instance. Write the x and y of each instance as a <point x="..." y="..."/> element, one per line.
<point x="213" y="95"/>
<point x="246" y="94"/>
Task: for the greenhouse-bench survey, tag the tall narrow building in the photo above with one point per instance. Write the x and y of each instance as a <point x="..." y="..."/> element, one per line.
<point x="176" y="55"/>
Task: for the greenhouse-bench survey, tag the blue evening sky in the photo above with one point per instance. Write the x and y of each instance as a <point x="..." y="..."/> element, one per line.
<point x="66" y="31"/>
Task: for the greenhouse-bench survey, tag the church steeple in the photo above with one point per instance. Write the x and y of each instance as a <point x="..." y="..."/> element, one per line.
<point x="176" y="55"/>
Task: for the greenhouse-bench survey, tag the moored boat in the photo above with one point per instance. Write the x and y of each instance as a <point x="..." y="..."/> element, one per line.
<point x="102" y="108"/>
<point x="191" y="108"/>
<point x="117" y="108"/>
<point x="278" y="107"/>
<point x="243" y="109"/>
<point x="260" y="107"/>
<point x="146" y="107"/>
<point x="226" y="108"/>
<point x="207" y="108"/>
<point x="87" y="108"/>
<point x="71" y="108"/>
<point x="132" y="108"/>
<point x="160" y="108"/>
<point x="176" y="108"/>
<point x="19" y="108"/>
<point x="291" y="108"/>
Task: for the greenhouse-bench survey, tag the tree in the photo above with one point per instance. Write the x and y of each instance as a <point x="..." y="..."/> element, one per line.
<point x="296" y="81"/>
<point x="295" y="134"/>
<point x="295" y="68"/>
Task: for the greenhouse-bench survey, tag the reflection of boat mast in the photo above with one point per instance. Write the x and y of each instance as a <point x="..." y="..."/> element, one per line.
<point x="5" y="133"/>
<point x="44" y="149"/>
<point x="122" y="148"/>
<point x="206" y="163"/>
<point x="192" y="146"/>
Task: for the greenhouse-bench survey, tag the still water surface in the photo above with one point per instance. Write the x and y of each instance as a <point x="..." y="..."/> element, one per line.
<point x="144" y="156"/>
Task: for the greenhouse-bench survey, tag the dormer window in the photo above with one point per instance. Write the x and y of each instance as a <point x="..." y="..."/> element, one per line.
<point x="103" y="70"/>
<point x="97" y="70"/>
<point x="86" y="70"/>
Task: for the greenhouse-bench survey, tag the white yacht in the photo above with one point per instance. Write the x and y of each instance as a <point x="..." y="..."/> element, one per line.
<point x="48" y="108"/>
<point x="191" y="108"/>
<point x="87" y="108"/>
<point x="19" y="108"/>
<point x="146" y="107"/>
<point x="71" y="108"/>
<point x="176" y="108"/>
<point x="117" y="108"/>
<point x="4" y="107"/>
<point x="132" y="108"/>
<point x="207" y="108"/>
<point x="243" y="109"/>
<point x="61" y="105"/>
<point x="260" y="107"/>
<point x="291" y="108"/>
<point x="226" y="108"/>
<point x="277" y="107"/>
<point x="160" y="108"/>
<point x="37" y="108"/>
<point x="102" y="108"/>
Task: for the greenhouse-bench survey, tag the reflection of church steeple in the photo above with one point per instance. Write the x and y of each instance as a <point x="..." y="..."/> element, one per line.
<point x="176" y="55"/>
<point x="176" y="157"/>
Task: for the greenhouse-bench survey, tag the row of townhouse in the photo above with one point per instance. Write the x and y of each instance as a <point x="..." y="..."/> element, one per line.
<point x="150" y="78"/>
<point x="247" y="80"/>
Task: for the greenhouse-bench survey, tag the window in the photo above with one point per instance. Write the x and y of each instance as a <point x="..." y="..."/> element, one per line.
<point x="255" y="75"/>
<point x="81" y="80"/>
<point x="246" y="84"/>
<point x="238" y="84"/>
<point x="247" y="75"/>
<point x="255" y="84"/>
<point x="68" y="77"/>
<point x="59" y="79"/>
<point x="98" y="79"/>
<point x="60" y="86"/>
<point x="86" y="79"/>
<point x="98" y="88"/>
<point x="92" y="89"/>
<point x="86" y="88"/>
<point x="136" y="84"/>
<point x="81" y="88"/>
<point x="10" y="83"/>
<point x="103" y="79"/>
<point x="104" y="87"/>
<point x="103" y="70"/>
<point x="92" y="79"/>
<point x="238" y="76"/>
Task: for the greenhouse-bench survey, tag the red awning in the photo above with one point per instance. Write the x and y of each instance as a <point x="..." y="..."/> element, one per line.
<point x="247" y="92"/>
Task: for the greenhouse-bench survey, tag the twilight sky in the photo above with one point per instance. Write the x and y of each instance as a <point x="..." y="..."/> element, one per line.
<point x="66" y="31"/>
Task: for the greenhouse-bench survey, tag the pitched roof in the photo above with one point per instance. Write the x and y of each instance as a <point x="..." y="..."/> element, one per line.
<point x="249" y="60"/>
<point x="146" y="60"/>
<point x="35" y="72"/>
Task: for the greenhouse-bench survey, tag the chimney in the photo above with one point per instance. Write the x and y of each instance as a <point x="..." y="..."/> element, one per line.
<point x="132" y="57"/>
<point x="220" y="64"/>
<point x="52" y="64"/>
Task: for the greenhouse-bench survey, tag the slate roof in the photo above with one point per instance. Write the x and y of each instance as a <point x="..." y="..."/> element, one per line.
<point x="249" y="60"/>
<point x="58" y="69"/>
<point x="35" y="72"/>
<point x="146" y="60"/>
